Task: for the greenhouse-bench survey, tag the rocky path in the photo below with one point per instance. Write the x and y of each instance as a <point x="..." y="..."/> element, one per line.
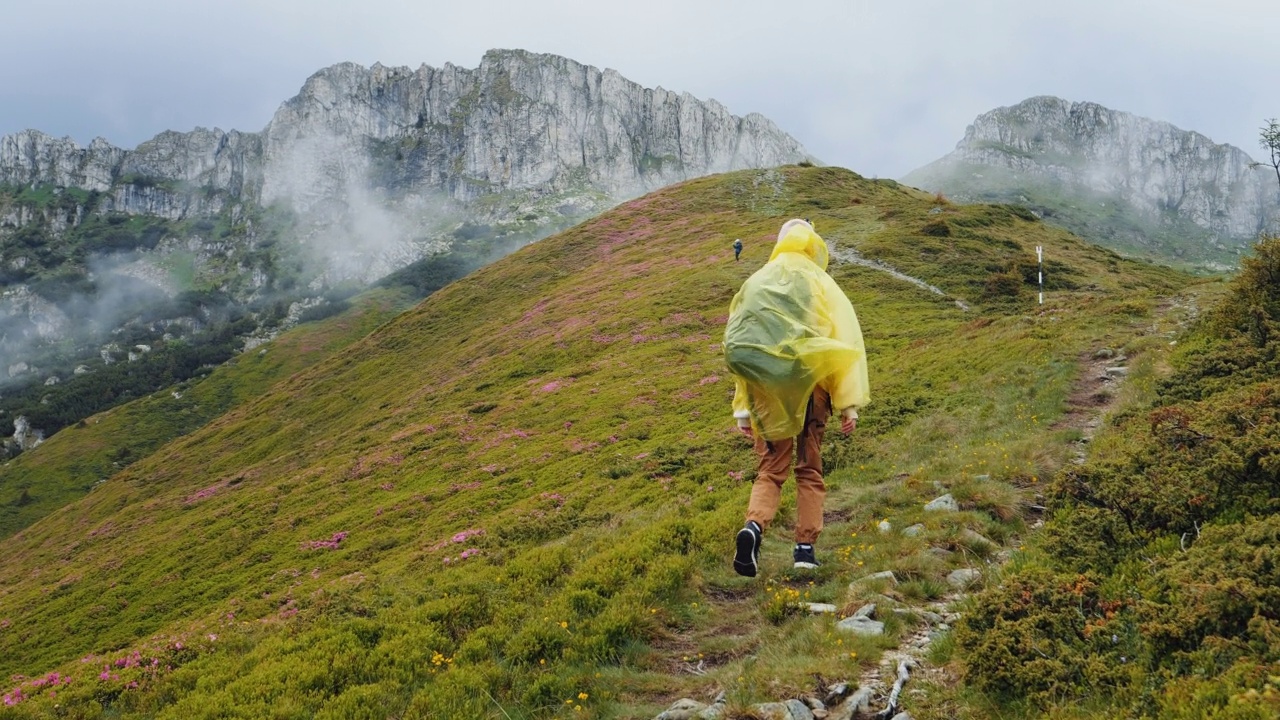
<point x="883" y="691"/>
<point x="850" y="256"/>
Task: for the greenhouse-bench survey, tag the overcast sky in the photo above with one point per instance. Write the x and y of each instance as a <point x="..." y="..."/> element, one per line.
<point x="878" y="86"/>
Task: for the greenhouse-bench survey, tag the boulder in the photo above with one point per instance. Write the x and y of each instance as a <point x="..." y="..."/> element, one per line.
<point x="946" y="503"/>
<point x="963" y="578"/>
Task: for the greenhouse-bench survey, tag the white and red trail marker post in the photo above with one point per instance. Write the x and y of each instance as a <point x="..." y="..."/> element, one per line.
<point x="1040" y="260"/>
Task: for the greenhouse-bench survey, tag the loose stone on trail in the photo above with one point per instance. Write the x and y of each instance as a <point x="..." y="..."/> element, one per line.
<point x="860" y="623"/>
<point x="963" y="578"/>
<point x="886" y="576"/>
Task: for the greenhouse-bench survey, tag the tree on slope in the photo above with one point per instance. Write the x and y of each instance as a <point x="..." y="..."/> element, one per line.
<point x="1270" y="138"/>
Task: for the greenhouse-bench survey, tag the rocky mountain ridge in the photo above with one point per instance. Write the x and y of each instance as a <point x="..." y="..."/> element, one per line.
<point x="364" y="172"/>
<point x="518" y="122"/>
<point x="1135" y="184"/>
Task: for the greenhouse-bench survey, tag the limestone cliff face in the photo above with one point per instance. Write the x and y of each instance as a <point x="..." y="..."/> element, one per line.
<point x="1164" y="174"/>
<point x="32" y="157"/>
<point x="520" y="121"/>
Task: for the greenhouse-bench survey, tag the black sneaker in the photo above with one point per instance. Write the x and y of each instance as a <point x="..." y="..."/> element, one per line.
<point x="745" y="561"/>
<point x="804" y="558"/>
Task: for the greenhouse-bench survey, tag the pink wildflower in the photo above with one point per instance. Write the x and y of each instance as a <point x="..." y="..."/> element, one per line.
<point x="709" y="380"/>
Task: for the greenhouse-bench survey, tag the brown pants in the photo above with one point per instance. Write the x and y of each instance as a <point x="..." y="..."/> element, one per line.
<point x="775" y="464"/>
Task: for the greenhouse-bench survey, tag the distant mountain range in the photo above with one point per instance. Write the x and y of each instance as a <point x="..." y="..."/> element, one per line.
<point x="1135" y="185"/>
<point x="107" y="254"/>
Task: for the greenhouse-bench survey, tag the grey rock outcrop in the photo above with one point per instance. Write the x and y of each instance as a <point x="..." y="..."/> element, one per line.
<point x="520" y="121"/>
<point x="1162" y="174"/>
<point x="944" y="503"/>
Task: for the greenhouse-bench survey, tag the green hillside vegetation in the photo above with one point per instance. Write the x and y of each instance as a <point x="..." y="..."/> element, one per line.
<point x="517" y="500"/>
<point x="1155" y="589"/>
<point x="70" y="463"/>
<point x="1094" y="216"/>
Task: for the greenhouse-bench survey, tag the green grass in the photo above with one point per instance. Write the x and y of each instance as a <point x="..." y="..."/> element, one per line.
<point x="73" y="461"/>
<point x="524" y="490"/>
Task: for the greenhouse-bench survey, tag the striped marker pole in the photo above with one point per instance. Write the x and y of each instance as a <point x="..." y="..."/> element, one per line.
<point x="1040" y="260"/>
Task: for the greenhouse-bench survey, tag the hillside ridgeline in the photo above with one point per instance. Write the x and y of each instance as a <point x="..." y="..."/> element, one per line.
<point x="517" y="499"/>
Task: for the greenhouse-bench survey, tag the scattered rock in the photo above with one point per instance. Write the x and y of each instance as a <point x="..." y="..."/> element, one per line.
<point x="815" y="704"/>
<point x="861" y="626"/>
<point x="932" y="618"/>
<point x="1117" y="371"/>
<point x="884" y="526"/>
<point x="886" y="576"/>
<point x="902" y="716"/>
<point x="714" y="711"/>
<point x="913" y="530"/>
<point x="81" y="369"/>
<point x="777" y="711"/>
<point x="867" y="611"/>
<point x="682" y="709"/>
<point x="821" y="608"/>
<point x="859" y="702"/>
<point x="974" y="540"/>
<point x="799" y="711"/>
<point x="1103" y="353"/>
<point x="963" y="578"/>
<point x="836" y="693"/>
<point x="981" y="477"/>
<point x="942" y="553"/>
<point x="946" y="503"/>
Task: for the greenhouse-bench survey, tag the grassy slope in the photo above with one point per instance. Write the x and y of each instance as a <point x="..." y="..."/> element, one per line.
<point x="555" y="428"/>
<point x="71" y="462"/>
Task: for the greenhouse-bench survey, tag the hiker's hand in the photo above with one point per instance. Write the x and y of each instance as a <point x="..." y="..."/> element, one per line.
<point x="745" y="430"/>
<point x="848" y="424"/>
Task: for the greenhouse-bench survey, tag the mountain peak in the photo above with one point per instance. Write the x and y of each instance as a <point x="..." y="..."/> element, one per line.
<point x="1135" y="184"/>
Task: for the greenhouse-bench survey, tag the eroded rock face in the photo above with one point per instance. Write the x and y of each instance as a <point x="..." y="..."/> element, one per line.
<point x="1160" y="170"/>
<point x="520" y="121"/>
<point x="32" y="157"/>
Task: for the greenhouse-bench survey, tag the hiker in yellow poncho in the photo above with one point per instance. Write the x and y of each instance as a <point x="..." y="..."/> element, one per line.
<point x="795" y="350"/>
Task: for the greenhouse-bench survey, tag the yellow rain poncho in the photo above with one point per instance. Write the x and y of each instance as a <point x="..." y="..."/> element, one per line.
<point x="791" y="329"/>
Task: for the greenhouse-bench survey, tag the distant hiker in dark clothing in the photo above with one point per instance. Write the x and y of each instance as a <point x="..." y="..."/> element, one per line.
<point x="737" y="249"/>
<point x="794" y="347"/>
